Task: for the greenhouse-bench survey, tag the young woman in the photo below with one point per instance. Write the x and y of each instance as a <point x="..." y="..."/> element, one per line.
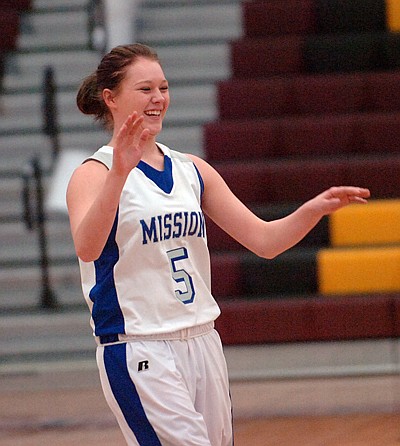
<point x="137" y="218"/>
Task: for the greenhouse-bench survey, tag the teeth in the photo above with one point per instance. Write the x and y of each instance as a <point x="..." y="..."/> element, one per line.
<point x="153" y="113"/>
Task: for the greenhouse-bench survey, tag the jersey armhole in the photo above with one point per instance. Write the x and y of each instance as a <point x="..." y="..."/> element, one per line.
<point x="200" y="180"/>
<point x="97" y="161"/>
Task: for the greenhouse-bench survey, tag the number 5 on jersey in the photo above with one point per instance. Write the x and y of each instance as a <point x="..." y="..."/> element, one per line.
<point x="181" y="276"/>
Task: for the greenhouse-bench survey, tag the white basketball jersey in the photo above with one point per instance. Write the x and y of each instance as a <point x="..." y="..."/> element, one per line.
<point x="153" y="275"/>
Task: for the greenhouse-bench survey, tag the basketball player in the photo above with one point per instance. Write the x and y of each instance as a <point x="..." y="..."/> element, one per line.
<point x="137" y="218"/>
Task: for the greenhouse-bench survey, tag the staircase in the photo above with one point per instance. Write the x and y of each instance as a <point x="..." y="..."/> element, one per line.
<point x="55" y="34"/>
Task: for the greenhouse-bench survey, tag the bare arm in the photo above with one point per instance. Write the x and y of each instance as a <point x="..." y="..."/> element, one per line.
<point x="268" y="239"/>
<point x="94" y="191"/>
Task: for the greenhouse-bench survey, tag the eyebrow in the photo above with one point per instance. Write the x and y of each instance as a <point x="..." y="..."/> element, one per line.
<point x="149" y="81"/>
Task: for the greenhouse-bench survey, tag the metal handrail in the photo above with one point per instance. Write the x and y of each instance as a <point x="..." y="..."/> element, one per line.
<point x="35" y="219"/>
<point x="33" y="208"/>
<point x="50" y="111"/>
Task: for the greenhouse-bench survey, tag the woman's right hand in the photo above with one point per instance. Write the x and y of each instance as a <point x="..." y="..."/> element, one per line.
<point x="94" y="192"/>
<point x="129" y="145"/>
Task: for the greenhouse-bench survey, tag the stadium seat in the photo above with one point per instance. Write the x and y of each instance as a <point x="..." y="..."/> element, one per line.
<point x="374" y="224"/>
<point x="341" y="16"/>
<point x="391" y="50"/>
<point x="299" y="319"/>
<point x="272" y="17"/>
<point x="323" y="135"/>
<point x="377" y="133"/>
<point x="290" y="95"/>
<point x="345" y="53"/>
<point x="266" y="181"/>
<point x="292" y="272"/>
<point x="329" y="93"/>
<point x="226" y="275"/>
<point x="312" y="103"/>
<point x="306" y="94"/>
<point x="252" y="58"/>
<point x="240" y="140"/>
<point x="393" y="15"/>
<point x="254" y="98"/>
<point x="247" y="274"/>
<point x="359" y="270"/>
<point x="381" y="91"/>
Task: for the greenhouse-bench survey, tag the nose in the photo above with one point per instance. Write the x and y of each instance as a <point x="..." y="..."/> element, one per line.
<point x="158" y="96"/>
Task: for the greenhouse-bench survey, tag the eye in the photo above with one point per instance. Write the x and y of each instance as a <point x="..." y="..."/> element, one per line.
<point x="145" y="89"/>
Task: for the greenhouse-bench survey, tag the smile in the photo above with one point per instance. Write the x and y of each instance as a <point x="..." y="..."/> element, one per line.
<point x="153" y="113"/>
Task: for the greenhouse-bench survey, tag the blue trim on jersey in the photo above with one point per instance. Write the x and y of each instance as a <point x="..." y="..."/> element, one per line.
<point x="162" y="178"/>
<point x="106" y="313"/>
<point x="200" y="179"/>
<point x="127" y="397"/>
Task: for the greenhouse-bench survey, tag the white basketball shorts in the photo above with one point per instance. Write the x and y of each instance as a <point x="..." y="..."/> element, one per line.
<point x="169" y="392"/>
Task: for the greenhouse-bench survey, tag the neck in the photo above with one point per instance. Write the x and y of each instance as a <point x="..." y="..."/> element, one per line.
<point x="154" y="157"/>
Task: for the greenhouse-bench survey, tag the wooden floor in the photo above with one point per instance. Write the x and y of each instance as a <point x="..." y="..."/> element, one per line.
<point x="69" y="417"/>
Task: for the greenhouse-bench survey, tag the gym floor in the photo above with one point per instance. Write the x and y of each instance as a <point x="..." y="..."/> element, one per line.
<point x="35" y="413"/>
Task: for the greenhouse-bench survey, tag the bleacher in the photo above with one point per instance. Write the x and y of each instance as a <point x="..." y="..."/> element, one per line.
<point x="312" y="102"/>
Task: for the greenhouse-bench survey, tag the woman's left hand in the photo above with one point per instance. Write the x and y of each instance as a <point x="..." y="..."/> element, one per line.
<point x="335" y="198"/>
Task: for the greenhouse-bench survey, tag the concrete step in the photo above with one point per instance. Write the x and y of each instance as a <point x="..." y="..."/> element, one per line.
<point x="25" y="71"/>
<point x="11" y="197"/>
<point x="193" y="104"/>
<point x="44" y="335"/>
<point x="21" y="288"/>
<point x="51" y="5"/>
<point x="185" y="63"/>
<point x="53" y="30"/>
<point x="196" y="62"/>
<point x="17" y="151"/>
<point x="22" y="245"/>
<point x="219" y="22"/>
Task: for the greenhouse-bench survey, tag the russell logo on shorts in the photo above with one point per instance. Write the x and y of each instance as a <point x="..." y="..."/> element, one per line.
<point x="143" y="365"/>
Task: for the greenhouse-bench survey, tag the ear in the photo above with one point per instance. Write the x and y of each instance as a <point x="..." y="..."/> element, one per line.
<point x="108" y="98"/>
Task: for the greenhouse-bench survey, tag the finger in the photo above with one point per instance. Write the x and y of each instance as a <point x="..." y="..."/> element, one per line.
<point x="356" y="199"/>
<point x="128" y="130"/>
<point x="357" y="191"/>
<point x="135" y="123"/>
<point x="127" y="124"/>
<point x="143" y="138"/>
<point x="347" y="191"/>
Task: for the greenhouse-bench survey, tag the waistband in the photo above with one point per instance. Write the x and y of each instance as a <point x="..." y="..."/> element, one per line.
<point x="185" y="333"/>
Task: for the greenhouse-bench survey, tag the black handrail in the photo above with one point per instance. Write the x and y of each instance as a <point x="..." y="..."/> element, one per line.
<point x="37" y="221"/>
<point x="50" y="111"/>
<point x="35" y="214"/>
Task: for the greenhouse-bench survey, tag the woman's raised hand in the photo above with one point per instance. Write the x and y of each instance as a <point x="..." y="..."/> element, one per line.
<point x="129" y="144"/>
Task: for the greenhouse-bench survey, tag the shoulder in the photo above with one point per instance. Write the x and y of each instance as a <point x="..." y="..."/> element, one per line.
<point x="205" y="169"/>
<point x="104" y="156"/>
<point x="92" y="169"/>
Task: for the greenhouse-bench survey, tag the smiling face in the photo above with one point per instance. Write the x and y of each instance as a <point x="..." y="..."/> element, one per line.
<point x="144" y="89"/>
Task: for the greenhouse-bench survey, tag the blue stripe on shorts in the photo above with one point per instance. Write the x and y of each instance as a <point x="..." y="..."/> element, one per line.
<point x="125" y="393"/>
